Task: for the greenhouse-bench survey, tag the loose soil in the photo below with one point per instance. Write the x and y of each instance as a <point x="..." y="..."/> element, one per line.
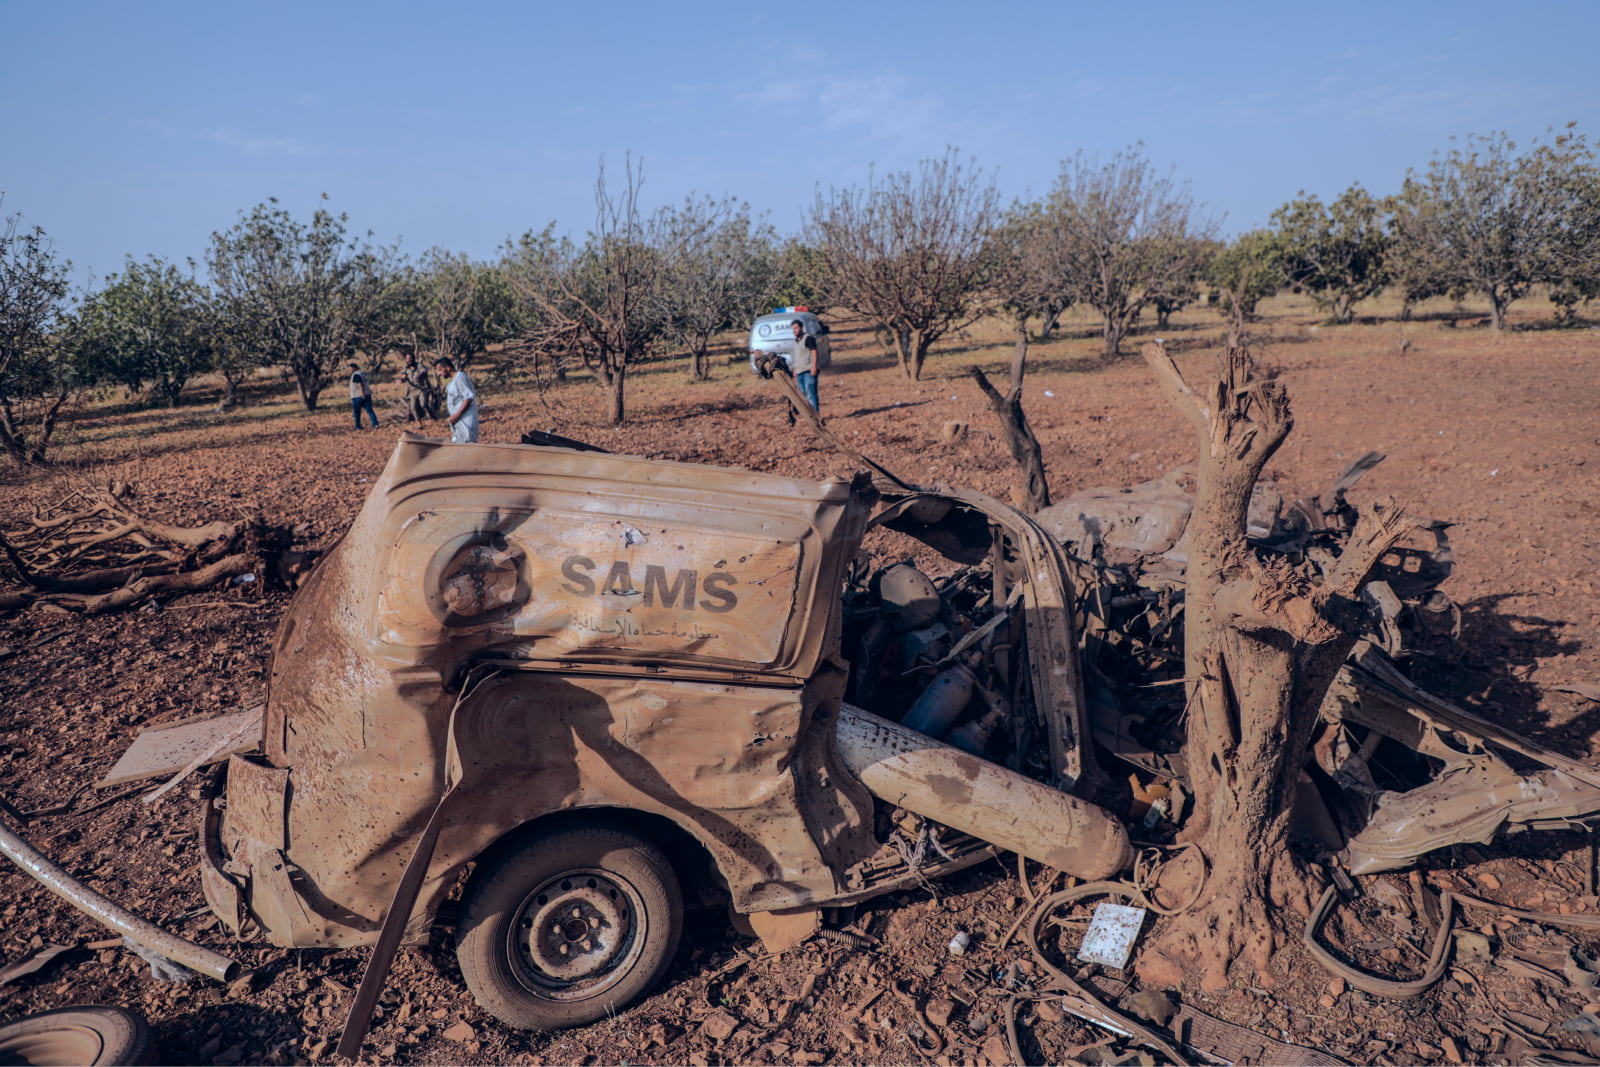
<point x="1495" y="434"/>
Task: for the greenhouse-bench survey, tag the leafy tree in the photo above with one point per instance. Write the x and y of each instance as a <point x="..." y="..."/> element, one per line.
<point x="307" y="296"/>
<point x="1181" y="290"/>
<point x="1027" y="274"/>
<point x="800" y="270"/>
<point x="721" y="271"/>
<point x="1572" y="294"/>
<point x="531" y="263"/>
<point x="1335" y="252"/>
<point x="909" y="251"/>
<point x="1129" y="236"/>
<point x="599" y="302"/>
<point x="1575" y="274"/>
<point x="37" y="377"/>
<point x="1488" y="219"/>
<point x="461" y="306"/>
<point x="1243" y="273"/>
<point x="150" y="326"/>
<point x="234" y="355"/>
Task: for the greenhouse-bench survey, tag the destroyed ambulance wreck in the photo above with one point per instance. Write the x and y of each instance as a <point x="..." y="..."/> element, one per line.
<point x="608" y="685"/>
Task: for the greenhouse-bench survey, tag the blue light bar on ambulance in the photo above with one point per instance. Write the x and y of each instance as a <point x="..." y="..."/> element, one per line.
<point x="789" y="310"/>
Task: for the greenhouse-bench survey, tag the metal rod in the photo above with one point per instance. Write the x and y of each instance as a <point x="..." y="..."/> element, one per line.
<point x="113" y="915"/>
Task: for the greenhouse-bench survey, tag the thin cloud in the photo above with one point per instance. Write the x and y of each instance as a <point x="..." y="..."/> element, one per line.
<point x="256" y="145"/>
<point x="155" y="126"/>
<point x="884" y="106"/>
<point x="1460" y="103"/>
<point x="1087" y="89"/>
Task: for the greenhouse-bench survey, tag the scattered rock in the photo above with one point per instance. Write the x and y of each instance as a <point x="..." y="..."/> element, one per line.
<point x="720" y="1025"/>
<point x="939" y="1011"/>
<point x="461" y="1031"/>
<point x="242" y="986"/>
<point x="995" y="1052"/>
<point x="660" y="1035"/>
<point x="1472" y="948"/>
<point x="1151" y="1005"/>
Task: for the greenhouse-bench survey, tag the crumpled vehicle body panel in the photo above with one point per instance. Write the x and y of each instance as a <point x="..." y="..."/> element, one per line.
<point x="558" y="631"/>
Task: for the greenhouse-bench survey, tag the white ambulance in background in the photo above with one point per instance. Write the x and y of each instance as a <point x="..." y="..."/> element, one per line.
<point x="771" y="335"/>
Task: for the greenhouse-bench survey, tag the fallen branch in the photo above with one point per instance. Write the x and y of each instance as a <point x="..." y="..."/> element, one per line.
<point x="105" y="556"/>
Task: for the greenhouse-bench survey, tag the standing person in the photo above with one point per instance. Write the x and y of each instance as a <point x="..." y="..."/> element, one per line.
<point x="361" y="395"/>
<point x="804" y="363"/>
<point x="420" y="402"/>
<point x="460" y="401"/>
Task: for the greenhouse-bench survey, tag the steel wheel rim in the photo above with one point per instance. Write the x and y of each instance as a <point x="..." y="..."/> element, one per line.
<point x="576" y="934"/>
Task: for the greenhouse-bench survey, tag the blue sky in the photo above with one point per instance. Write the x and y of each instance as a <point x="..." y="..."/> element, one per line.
<point x="139" y="128"/>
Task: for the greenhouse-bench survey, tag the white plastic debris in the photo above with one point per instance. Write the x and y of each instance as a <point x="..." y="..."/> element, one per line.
<point x="1111" y="934"/>
<point x="959" y="943"/>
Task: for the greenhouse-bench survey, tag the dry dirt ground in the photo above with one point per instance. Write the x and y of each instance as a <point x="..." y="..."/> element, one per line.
<point x="1495" y="434"/>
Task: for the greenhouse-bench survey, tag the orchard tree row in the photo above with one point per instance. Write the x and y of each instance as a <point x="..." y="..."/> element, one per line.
<point x="918" y="254"/>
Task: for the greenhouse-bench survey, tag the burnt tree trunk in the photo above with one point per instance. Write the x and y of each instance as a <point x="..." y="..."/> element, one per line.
<point x="1262" y="644"/>
<point x="1014" y="423"/>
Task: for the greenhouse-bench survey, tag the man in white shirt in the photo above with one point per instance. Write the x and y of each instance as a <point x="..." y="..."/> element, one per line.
<point x="361" y="395"/>
<point x="460" y="401"/>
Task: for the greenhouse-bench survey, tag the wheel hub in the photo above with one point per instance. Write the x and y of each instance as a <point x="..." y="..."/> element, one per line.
<point x="575" y="927"/>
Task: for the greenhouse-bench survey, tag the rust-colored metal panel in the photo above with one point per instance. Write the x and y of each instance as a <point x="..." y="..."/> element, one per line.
<point x="666" y="627"/>
<point x="1052" y="642"/>
<point x="564" y="583"/>
<point x="922" y="775"/>
<point x="167" y="750"/>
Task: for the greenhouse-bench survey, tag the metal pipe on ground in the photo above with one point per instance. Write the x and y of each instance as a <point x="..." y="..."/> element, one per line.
<point x="980" y="798"/>
<point x="114" y="915"/>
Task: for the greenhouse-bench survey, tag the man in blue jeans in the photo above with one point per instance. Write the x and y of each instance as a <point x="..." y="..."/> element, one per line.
<point x="361" y="395"/>
<point x="804" y="363"/>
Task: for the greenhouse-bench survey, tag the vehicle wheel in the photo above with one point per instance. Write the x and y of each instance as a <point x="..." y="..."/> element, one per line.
<point x="568" y="927"/>
<point x="90" y="1036"/>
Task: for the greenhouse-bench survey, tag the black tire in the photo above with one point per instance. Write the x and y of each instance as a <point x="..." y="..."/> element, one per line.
<point x="620" y="915"/>
<point x="77" y="1037"/>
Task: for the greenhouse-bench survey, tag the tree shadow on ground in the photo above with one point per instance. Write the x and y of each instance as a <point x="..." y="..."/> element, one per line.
<point x="1488" y="671"/>
<point x="900" y="406"/>
<point x="200" y="1037"/>
<point x="860" y="362"/>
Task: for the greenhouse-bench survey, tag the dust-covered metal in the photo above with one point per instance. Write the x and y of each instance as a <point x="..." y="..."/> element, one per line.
<point x="915" y="772"/>
<point x="667" y="639"/>
<point x="111" y="914"/>
<point x="1396" y="772"/>
<point x="166" y="750"/>
<point x="663" y="653"/>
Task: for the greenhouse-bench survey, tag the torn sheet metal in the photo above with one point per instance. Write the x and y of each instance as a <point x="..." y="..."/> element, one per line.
<point x="167" y="750"/>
